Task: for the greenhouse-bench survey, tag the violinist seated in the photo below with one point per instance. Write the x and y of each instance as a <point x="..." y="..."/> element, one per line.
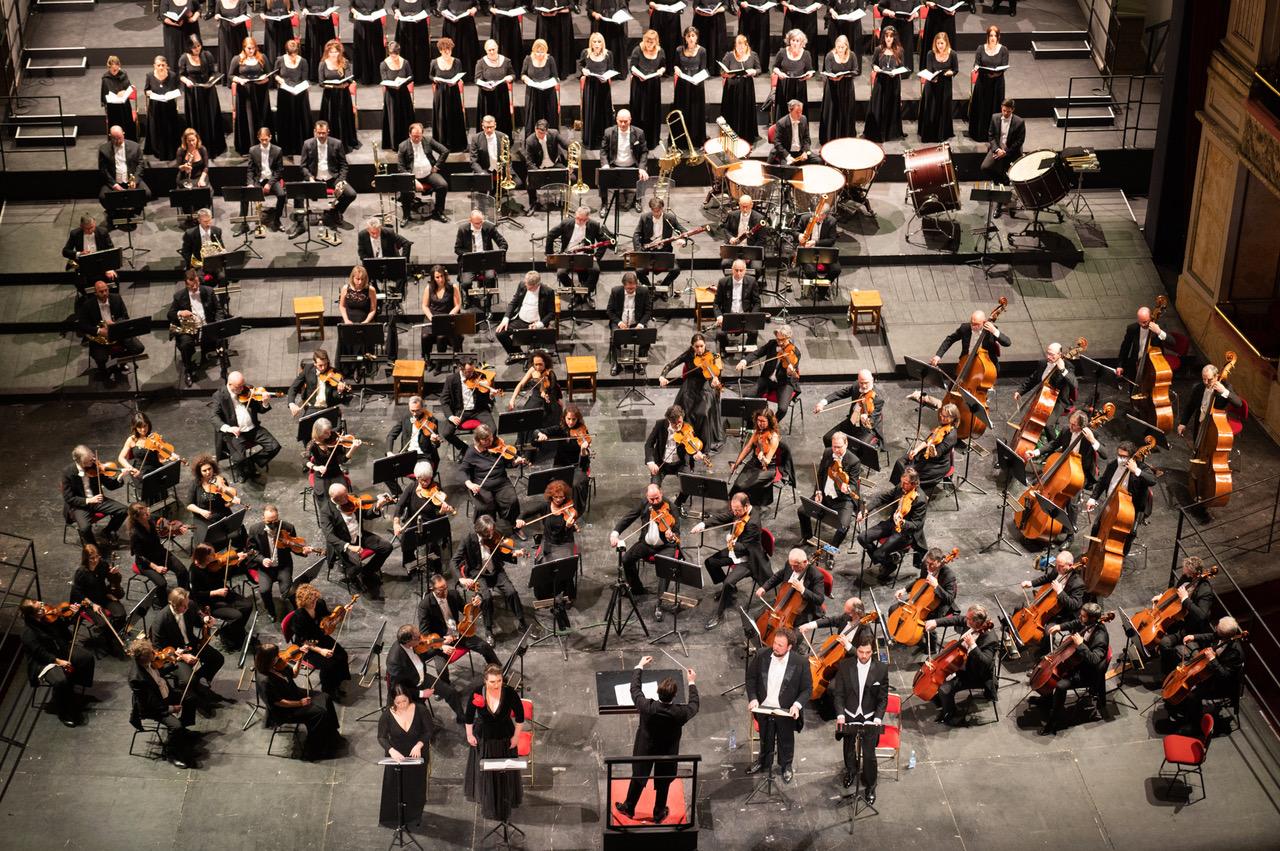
<point x="779" y="679"/>
<point x="144" y="451"/>
<point x="1213" y="394"/>
<point x="484" y="472"/>
<point x="324" y="652"/>
<point x="533" y="306"/>
<point x="317" y="386"/>
<point x="407" y="669"/>
<point x="744" y="226"/>
<point x="210" y="498"/>
<point x="287" y="702"/>
<point x="663" y="453"/>
<point x="1068" y="584"/>
<point x="157" y="696"/>
<point x="1138" y="338"/>
<point x="211" y="591"/>
<point x="237" y="408"/>
<point x="474" y="236"/>
<point x="860" y="696"/>
<point x="894" y="534"/>
<point x="573" y="236"/>
<point x="543" y="389"/>
<point x="1060" y="375"/>
<point x="931" y="457"/>
<point x="1139" y="484"/>
<point x="938" y="573"/>
<point x="417" y="432"/>
<point x="743" y="554"/>
<point x="358" y="551"/>
<point x="979" y="671"/>
<point x="440" y="612"/>
<point x="96" y="586"/>
<point x="558" y="539"/>
<point x="856" y="422"/>
<point x="179" y="625"/>
<point x="979" y="332"/>
<point x="52" y="660"/>
<point x="779" y="376"/>
<point x="153" y="559"/>
<point x="272" y="557"/>
<point x="758" y="460"/>
<point x="468" y="406"/>
<point x="376" y="243"/>
<point x="416" y="507"/>
<point x="1226" y="668"/>
<point x="327" y="455"/>
<point x="658" y="225"/>
<point x="84" y="499"/>
<point x="480" y="562"/>
<point x="823" y="236"/>
<point x="193" y="306"/>
<point x="659" y="534"/>
<point x="630" y="307"/>
<point x="570" y="445"/>
<point x="1090" y="672"/>
<point x="803" y="577"/>
<point x="1195" y="593"/>
<point x="840" y="496"/>
<point x="735" y="293"/>
<point x="94" y="316"/>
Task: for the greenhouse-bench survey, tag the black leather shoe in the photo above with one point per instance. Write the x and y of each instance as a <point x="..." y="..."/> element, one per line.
<point x="659" y="816"/>
<point x="787" y="774"/>
<point x="67" y="721"/>
<point x="177" y="762"/>
<point x="756" y="767"/>
<point x="870" y="795"/>
<point x="440" y="217"/>
<point x="1048" y="730"/>
<point x="847" y="780"/>
<point x="621" y="806"/>
<point x="615" y="370"/>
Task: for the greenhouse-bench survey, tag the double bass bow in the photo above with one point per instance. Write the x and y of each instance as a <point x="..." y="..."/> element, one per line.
<point x="1152" y="624"/>
<point x="1115" y="524"/>
<point x="1209" y="476"/>
<point x="977" y="375"/>
<point x="1040" y="412"/>
<point x="1154" y="379"/>
<point x="1061" y="478"/>
<point x="825" y="661"/>
<point x="1055" y="665"/>
<point x="934" y="672"/>
<point x="906" y="622"/>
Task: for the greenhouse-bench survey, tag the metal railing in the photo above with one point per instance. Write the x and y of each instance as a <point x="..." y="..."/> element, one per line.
<point x="19" y="575"/>
<point x="1129" y="96"/>
<point x="13" y="111"/>
<point x="1156" y="36"/>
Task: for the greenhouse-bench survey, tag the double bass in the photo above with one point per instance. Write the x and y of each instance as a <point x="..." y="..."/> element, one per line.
<point x="1061" y="478"/>
<point x="1029" y="621"/>
<point x="1041" y="410"/>
<point x="977" y="375"/>
<point x="1183" y="679"/>
<point x="1152" y="624"/>
<point x="1154" y="379"/>
<point x="1054" y="666"/>
<point x="906" y="622"/>
<point x="935" y="671"/>
<point x="1115" y="524"/>
<point x="1209" y="476"/>
<point x="824" y="664"/>
<point x="786" y="607"/>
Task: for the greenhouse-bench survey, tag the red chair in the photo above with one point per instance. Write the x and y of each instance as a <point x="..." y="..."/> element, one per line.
<point x="889" y="745"/>
<point x="69" y="523"/>
<point x="524" y="739"/>
<point x="136" y="577"/>
<point x="1236" y="415"/>
<point x="1187" y="753"/>
<point x="1176" y="350"/>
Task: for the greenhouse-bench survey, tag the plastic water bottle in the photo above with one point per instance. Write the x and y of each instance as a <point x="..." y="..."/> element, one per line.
<point x="911" y="760"/>
<point x="733" y="739"/>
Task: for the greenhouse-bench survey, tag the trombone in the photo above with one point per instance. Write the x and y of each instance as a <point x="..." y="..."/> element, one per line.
<point x="681" y="141"/>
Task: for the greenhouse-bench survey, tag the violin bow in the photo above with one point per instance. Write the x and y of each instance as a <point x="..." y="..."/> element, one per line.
<point x="414" y="516"/>
<point x="198" y="665"/>
<point x="307" y="401"/>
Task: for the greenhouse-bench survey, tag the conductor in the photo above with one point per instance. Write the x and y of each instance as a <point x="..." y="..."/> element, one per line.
<point x="661" y="722"/>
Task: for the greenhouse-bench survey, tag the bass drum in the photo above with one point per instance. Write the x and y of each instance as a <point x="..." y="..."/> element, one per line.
<point x="816" y="182"/>
<point x="931" y="178"/>
<point x="1041" y="179"/>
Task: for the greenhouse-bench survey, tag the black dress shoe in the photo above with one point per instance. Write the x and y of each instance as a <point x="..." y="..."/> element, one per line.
<point x="188" y="379"/>
<point x="68" y="721"/>
<point x="440" y="217"/>
<point x="713" y="622"/>
<point x="1048" y="730"/>
<point x="847" y="779"/>
<point x="615" y="370"/>
<point x="621" y="806"/>
<point x="870" y="795"/>
<point x="659" y="816"/>
<point x="787" y="774"/>
<point x="756" y="767"/>
<point x="177" y="762"/>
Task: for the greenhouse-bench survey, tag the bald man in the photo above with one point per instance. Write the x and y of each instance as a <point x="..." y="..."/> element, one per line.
<point x="980" y="333"/>
<point x="624" y="147"/>
<point x="855" y="421"/>
<point x="1138" y="337"/>
<point x="238" y="427"/>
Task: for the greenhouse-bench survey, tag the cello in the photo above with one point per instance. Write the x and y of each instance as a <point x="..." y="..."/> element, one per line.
<point x="1115" y="524"/>
<point x="1209" y="476"/>
<point x="1041" y="410"/>
<point x="1054" y="666"/>
<point x="786" y="607"/>
<point x="977" y="375"/>
<point x="934" y="672"/>
<point x="826" y="661"/>
<point x="1061" y="478"/>
<point x="1154" y="379"/>
<point x="1183" y="679"/>
<point x="906" y="622"/>
<point x="1152" y="624"/>
<point x="1029" y="620"/>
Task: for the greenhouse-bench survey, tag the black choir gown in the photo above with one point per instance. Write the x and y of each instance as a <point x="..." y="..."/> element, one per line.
<point x="738" y="102"/>
<point x="200" y="102"/>
<point x="852" y="30"/>
<point x="988" y="91"/>
<point x="667" y="26"/>
<point x="754" y="25"/>
<point x="936" y="21"/>
<point x="275" y="34"/>
<point x="935" y="99"/>
<point x="540" y="103"/>
<point x="646" y="95"/>
<point x="336" y="106"/>
<point x="448" y="119"/>
<point x="905" y="28"/>
<point x="806" y="23"/>
<point x="317" y="31"/>
<point x="230" y="36"/>
<point x="787" y="68"/>
<point x="615" y="35"/>
<point x="691" y="98"/>
<point x="367" y="42"/>
<point x="556" y="30"/>
<point x="838" y="100"/>
<point x="466" y="41"/>
<point x="164" y="128"/>
<point x="397" y="105"/>
<point x="495" y="101"/>
<point x="884" y="111"/>
<point x="119" y="113"/>
<point x="177" y="38"/>
<point x="411" y="786"/>
<point x="414" y="38"/>
<point x="293" y="112"/>
<point x="597" y="99"/>
<point x="253" y="102"/>
<point x="507" y="31"/>
<point x="497" y="792"/>
<point x="712" y="32"/>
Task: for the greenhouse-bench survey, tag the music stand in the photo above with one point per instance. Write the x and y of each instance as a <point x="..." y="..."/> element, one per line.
<point x="393" y="270"/>
<point x="571" y="264"/>
<point x="1051" y="508"/>
<point x="634" y="363"/>
<point x="222" y="531"/>
<point x="220" y="332"/>
<point x="308" y="574"/>
<point x="820" y="515"/>
<point x="654" y="263"/>
<point x="160" y="481"/>
<point x="867" y="454"/>
<point x="539" y="479"/>
<point x="531" y="340"/>
<point x="451" y="326"/>
<point x="984" y="233"/>
<point x="396" y="185"/>
<point x="747" y="253"/>
<point x="505" y="825"/>
<point x="739" y="325"/>
<point x="743" y="408"/>
<point x="925" y="371"/>
<point x="402" y="837"/>
<point x="244" y="196"/>
<point x="680" y="573"/>
<point x="307" y="421"/>
<point x="306" y="191"/>
<point x="1098" y="369"/>
<point x="392" y="467"/>
<point x="129" y="329"/>
<point x="704" y="488"/>
<point x="551" y="581"/>
<point x="815" y="257"/>
<point x="612" y="181"/>
<point x="223" y="264"/>
<point x="125" y="209"/>
<point x="520" y="420"/>
<point x="474" y="262"/>
<point x="372" y="658"/>
<point x="537" y="179"/>
<point x="94" y="266"/>
<point x="980" y="413"/>
<point x="140" y="608"/>
<point x="621" y="593"/>
<point x="1016" y="468"/>
<point x="364" y="339"/>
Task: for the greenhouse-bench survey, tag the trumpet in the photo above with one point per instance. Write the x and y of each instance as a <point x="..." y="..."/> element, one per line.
<point x="505" y="181"/>
<point x="681" y="141"/>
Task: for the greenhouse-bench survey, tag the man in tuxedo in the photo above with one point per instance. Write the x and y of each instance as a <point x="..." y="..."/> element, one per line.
<point x="84" y="496"/>
<point x="856" y="422"/>
<point x="979" y="668"/>
<point x="662" y="455"/>
<point x="273" y="562"/>
<point x="738" y="230"/>
<point x="624" y="147"/>
<point x="778" y="680"/>
<point x="237" y="422"/>
<point x="1060" y="374"/>
<point x="884" y="538"/>
<point x="1007" y="134"/>
<point x="1138" y="338"/>
<point x="860" y="696"/>
<point x="630" y="307"/>
<point x="324" y="159"/>
<point x="478" y="235"/>
<point x="736" y="293"/>
<point x="376" y="242"/>
<point x="658" y="225"/>
<point x="180" y="625"/>
<point x="197" y="302"/>
<point x="1093" y="650"/>
<point x="1213" y="395"/>
<point x="791" y="142"/>
<point x="938" y="573"/>
<point x="422" y="157"/>
<point x="464" y="404"/>
<point x="313" y="394"/>
<point x="657" y="734"/>
<point x="118" y="158"/>
<point x="407" y="668"/>
<point x="485" y="147"/>
<point x="745" y="558"/>
<point x="823" y="236"/>
<point x="572" y="234"/>
<point x="94" y="316"/>
<point x="840" y="498"/>
<point x="649" y="541"/>
<point x="544" y="149"/>
<point x="1068" y="585"/>
<point x="199" y="239"/>
<point x="358" y="552"/>
<point x="439" y="613"/>
<point x="87" y="239"/>
<point x="266" y="171"/>
<point x="532" y="306"/>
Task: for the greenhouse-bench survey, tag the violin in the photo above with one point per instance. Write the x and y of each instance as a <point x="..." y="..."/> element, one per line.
<point x="218" y="487"/>
<point x="337" y="615"/>
<point x="481" y="381"/>
<point x="256" y="394"/>
<point x="1183" y="679"/>
<point x="425" y="423"/>
<point x="710" y="364"/>
<point x="580" y="434"/>
<point x="906" y="622"/>
<point x="1209" y="476"/>
<point x="568" y="514"/>
<point x="504" y="450"/>
<point x="1055" y="665"/>
<point x="434" y="495"/>
<point x="838" y="474"/>
<point x="294" y="543"/>
<point x="1152" y="624"/>
<point x="1029" y="621"/>
<point x="666" y="521"/>
<point x="470" y="617"/>
<point x="1060" y="480"/>
<point x="904" y="508"/>
<point x="929" y="446"/>
<point x="166" y="658"/>
<point x="789" y="355"/>
<point x="1154" y="379"/>
<point x="333" y="378"/>
<point x="1041" y="411"/>
<point x="290" y="658"/>
<point x="365" y="502"/>
<point x="824" y="665"/>
<point x="59" y="611"/>
<point x="428" y="643"/>
<point x="935" y="671"/>
<point x="108" y="469"/>
<point x="154" y="442"/>
<point x="1106" y="547"/>
<point x="690" y="443"/>
<point x="224" y="560"/>
<point x="171" y="528"/>
<point x="766" y="443"/>
<point x="976" y="374"/>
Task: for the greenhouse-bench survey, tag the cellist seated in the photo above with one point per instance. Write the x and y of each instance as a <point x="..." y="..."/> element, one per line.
<point x="980" y="332"/>
<point x="1088" y="446"/>
<point x="899" y="531"/>
<point x="851" y="613"/>
<point x="802" y="577"/>
<point x="1059" y="374"/>
<point x="1090" y="672"/>
<point x="937" y="573"/>
<point x="979" y="671"/>
<point x="1226" y="666"/>
<point x="1139" y="484"/>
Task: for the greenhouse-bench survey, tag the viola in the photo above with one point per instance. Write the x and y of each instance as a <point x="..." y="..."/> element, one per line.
<point x="294" y="543"/>
<point x="904" y="508"/>
<point x="1183" y="679"/>
<point x="824" y="665"/>
<point x="256" y="394"/>
<point x="156" y="443"/>
<point x="906" y="622"/>
<point x="1041" y="410"/>
<point x="334" y="619"/>
<point x="1054" y="666"/>
<point x="1209" y="476"/>
<point x="290" y="657"/>
<point x="166" y="658"/>
<point x="976" y="374"/>
<point x="689" y="442"/>
<point x="766" y="443"/>
<point x="1154" y="379"/>
<point x="1029" y="621"/>
<point x="224" y="560"/>
<point x="838" y="474"/>
<point x="580" y="434"/>
<point x="171" y="528"/>
<point x="333" y="378"/>
<point x="1060" y="480"/>
<point x="1152" y="624"/>
<point x="481" y="381"/>
<point x="1106" y="546"/>
<point x="218" y="486"/>
<point x="470" y="617"/>
<point x="929" y="446"/>
<point x="710" y="364"/>
<point x="666" y="521"/>
<point x="935" y="671"/>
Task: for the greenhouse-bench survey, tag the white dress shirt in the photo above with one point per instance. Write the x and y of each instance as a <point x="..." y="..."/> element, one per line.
<point x="795" y="136"/>
<point x="624" y="158"/>
<point x="122" y="165"/>
<point x="735" y="303"/>
<point x="1004" y="131"/>
<point x="672" y="453"/>
<point x="493" y="151"/>
<point x="182" y="627"/>
<point x="628" y="308"/>
<point x="104" y="310"/>
<point x="416" y="661"/>
<point x="264" y="154"/>
<point x="421" y="164"/>
<point x="777" y="671"/>
<point x="529" y="307"/>
<point x="477" y="238"/>
<point x="90" y="242"/>
<point x="197" y="306"/>
<point x="322" y="161"/>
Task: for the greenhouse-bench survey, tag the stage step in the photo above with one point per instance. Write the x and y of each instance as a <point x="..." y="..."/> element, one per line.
<point x="1085" y="116"/>
<point x="56" y="61"/>
<point x="1060" y="45"/>
<point x="65" y="5"/>
<point x="37" y="131"/>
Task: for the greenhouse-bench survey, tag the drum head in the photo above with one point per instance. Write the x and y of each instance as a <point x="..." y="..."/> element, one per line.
<point x="852" y="154"/>
<point x="741" y="147"/>
<point x="749" y="173"/>
<point x="1031" y="166"/>
<point x="819" y="180"/>
<point x="934" y="155"/>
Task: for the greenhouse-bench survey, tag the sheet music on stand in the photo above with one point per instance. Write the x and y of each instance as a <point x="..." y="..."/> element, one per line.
<point x="504" y="764"/>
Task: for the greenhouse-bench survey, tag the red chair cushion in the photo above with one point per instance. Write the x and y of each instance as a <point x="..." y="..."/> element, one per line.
<point x="468" y="425"/>
<point x="770" y="396"/>
<point x="771" y="134"/>
<point x="895" y="705"/>
<point x="136" y="570"/>
<point x="1236" y="415"/>
<point x="286" y="627"/>
<point x="524" y="744"/>
<point x="252" y="573"/>
<point x="827" y="581"/>
<point x="1183" y="750"/>
<point x="528" y="709"/>
<point x="365" y="552"/>
<point x="458" y="653"/>
<point x="891" y="738"/>
<point x="767" y="542"/>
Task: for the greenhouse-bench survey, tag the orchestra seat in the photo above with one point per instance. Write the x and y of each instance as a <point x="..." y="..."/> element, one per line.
<point x="278" y="727"/>
<point x="524" y="739"/>
<point x="69" y="523"/>
<point x="772" y="396"/>
<point x="1187" y="755"/>
<point x="156" y="734"/>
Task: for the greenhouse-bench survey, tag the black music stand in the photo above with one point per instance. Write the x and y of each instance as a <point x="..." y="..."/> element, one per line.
<point x="704" y="488"/>
<point x="521" y="419"/>
<point x="980" y="413"/>
<point x="402" y="837"/>
<point x="129" y="329"/>
<point x="1015" y="468"/>
<point x="867" y="454"/>
<point x="188" y="199"/>
<point x="538" y="179"/>
<point x="739" y="325"/>
<point x="392" y="270"/>
<point x="679" y="573"/>
<point x="572" y="264"/>
<point x="653" y="263"/>
<point x="391" y="467"/>
<point x="308" y="420"/>
<point x="479" y="262"/>
<point x="612" y="181"/>
<point x="633" y="338"/>
<point x="621" y="594"/>
<point x="160" y="482"/>
<point x="222" y="267"/>
<point x="225" y="529"/>
<point x="307" y="191"/>
<point x="743" y="408"/>
<point x="746" y="253"/>
<point x="126" y="210"/>
<point x="530" y="340"/>
<point x="539" y="479"/>
<point x="451" y="326"/>
<point x="396" y="185"/>
<point x="93" y="267"/>
<point x="243" y="196"/>
<point x="371" y="660"/>
<point x="929" y="375"/>
<point x="816" y="256"/>
<point x="820" y="515"/>
<point x="984" y="233"/>
<point x="552" y="581"/>
<point x="436" y="529"/>
<point x="364" y="339"/>
<point x="221" y="332"/>
<point x="1098" y="369"/>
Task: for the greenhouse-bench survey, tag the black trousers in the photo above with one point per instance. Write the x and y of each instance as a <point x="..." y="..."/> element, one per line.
<point x="62" y="685"/>
<point x="268" y="579"/>
<point x="715" y="565"/>
<point x="478" y="645"/>
<point x="504" y="337"/>
<point x="859" y="742"/>
<point x="411" y="545"/>
<point x="1080" y="678"/>
<point x="270" y="189"/>
<point x="642" y="551"/>
<point x="777" y="733"/>
<point x="500" y="582"/>
<point x="367" y="571"/>
<point x="186" y="345"/>
<point x="320" y="719"/>
<point x="344" y="198"/>
<point x="848" y="427"/>
<point x="723" y="340"/>
<point x="125" y="348"/>
<point x="239" y="446"/>
<point x="160" y="585"/>
<point x="669" y="277"/>
<point x="844" y="508"/>
<point x="433" y="183"/>
<point x="211" y="662"/>
<point x="946" y="697"/>
<point x="675" y="468"/>
<point x="498" y="499"/>
<point x="588" y="278"/>
<point x="449" y="431"/>
<point x="664" y="773"/>
<point x="234" y="611"/>
<point x="996" y="169"/>
<point x="84" y="518"/>
<point x="786" y="393"/>
<point x="879" y="550"/>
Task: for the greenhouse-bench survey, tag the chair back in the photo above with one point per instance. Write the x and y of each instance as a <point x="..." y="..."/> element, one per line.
<point x="767" y="542"/>
<point x="286" y="627"/>
<point x="827" y="581"/>
<point x="1206" y="730"/>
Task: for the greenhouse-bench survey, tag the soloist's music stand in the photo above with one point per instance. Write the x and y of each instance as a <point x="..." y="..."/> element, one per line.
<point x="243" y="196"/>
<point x="373" y="659"/>
<point x="743" y="408"/>
<point x="450" y="326"/>
<point x="928" y="375"/>
<point x="652" y="263"/>
<point x="552" y="581"/>
<point x="856" y="800"/>
<point x="613" y="181"/>
<point x="985" y="233"/>
<point x="680" y="573"/>
<point x="507" y="828"/>
<point x="571" y="265"/>
<point x="1015" y="468"/>
<point x="703" y="488"/>
<point x="397" y="186"/>
<point x="475" y="263"/>
<point x="306" y="191"/>
<point x="225" y="529"/>
<point x="402" y="831"/>
<point x="765" y="790"/>
<point x="125" y="210"/>
<point x="633" y="338"/>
